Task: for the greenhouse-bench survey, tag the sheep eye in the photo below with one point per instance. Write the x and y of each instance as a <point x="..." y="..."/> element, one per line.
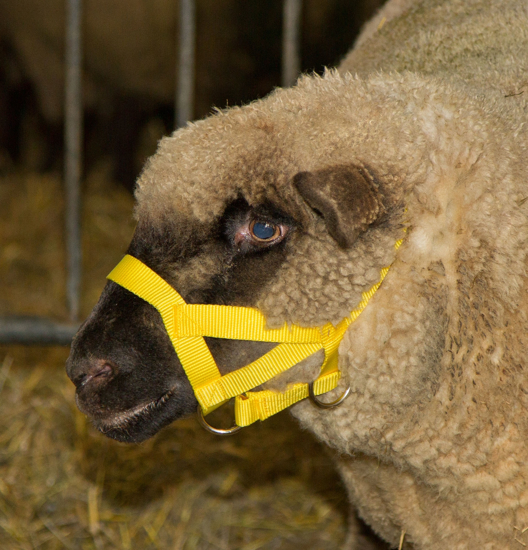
<point x="263" y="231"/>
<point x="258" y="233"/>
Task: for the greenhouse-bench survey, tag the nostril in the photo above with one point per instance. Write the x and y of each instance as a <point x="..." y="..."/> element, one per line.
<point x="106" y="371"/>
<point x="96" y="373"/>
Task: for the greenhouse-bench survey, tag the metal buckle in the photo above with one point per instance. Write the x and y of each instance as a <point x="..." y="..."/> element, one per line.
<point x="216" y="431"/>
<point x="323" y="405"/>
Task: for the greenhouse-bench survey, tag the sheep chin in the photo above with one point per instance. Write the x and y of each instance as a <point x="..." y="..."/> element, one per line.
<point x="138" y="423"/>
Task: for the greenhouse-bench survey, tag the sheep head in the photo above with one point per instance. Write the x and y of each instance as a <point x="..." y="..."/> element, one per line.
<point x="291" y="205"/>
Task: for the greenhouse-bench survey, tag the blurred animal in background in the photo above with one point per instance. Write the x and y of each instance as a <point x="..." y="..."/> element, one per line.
<point x="130" y="66"/>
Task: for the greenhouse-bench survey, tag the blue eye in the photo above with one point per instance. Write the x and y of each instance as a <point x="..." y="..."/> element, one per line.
<point x="263" y="231"/>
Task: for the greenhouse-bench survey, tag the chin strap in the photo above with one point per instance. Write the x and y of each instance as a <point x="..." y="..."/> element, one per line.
<point x="187" y="324"/>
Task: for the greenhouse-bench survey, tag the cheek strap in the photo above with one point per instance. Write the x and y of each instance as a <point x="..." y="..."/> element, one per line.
<point x="187" y="324"/>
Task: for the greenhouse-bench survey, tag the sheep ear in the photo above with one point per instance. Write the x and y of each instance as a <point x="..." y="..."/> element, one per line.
<point x="346" y="196"/>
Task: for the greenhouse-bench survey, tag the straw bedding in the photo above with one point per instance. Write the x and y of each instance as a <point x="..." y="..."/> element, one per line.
<point x="62" y="485"/>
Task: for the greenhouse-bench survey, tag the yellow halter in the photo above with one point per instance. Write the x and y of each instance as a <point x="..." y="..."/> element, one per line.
<point x="187" y="324"/>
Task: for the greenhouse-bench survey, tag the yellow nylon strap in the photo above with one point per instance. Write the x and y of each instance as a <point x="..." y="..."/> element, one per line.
<point x="210" y="387"/>
<point x="263" y="369"/>
<point x="186" y="324"/>
<point x="263" y="404"/>
<point x="236" y="323"/>
<point x="243" y="323"/>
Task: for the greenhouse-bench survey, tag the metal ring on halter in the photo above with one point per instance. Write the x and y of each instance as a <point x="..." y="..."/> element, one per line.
<point x="323" y="405"/>
<point x="216" y="431"/>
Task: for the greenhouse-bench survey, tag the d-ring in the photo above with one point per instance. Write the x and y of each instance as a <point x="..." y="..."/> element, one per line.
<point x="323" y="405"/>
<point x="217" y="431"/>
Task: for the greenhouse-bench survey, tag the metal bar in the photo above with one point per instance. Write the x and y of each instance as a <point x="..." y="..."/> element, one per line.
<point x="73" y="151"/>
<point x="186" y="56"/>
<point x="35" y="331"/>
<point x="291" y="42"/>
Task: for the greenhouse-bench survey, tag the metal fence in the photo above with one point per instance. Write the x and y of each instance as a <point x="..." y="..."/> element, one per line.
<point x="41" y="331"/>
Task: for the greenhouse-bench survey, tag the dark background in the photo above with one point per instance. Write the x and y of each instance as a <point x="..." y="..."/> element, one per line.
<point x="130" y="65"/>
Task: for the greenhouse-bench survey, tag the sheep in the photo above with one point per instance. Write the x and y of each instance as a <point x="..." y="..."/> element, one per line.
<point x="293" y="205"/>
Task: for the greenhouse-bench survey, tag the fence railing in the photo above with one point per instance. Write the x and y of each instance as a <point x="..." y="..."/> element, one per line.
<point x="41" y="331"/>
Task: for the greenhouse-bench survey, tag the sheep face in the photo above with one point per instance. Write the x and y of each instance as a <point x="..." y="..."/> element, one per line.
<point x="128" y="376"/>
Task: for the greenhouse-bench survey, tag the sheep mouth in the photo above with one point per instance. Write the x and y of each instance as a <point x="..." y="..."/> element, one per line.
<point x="140" y="422"/>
